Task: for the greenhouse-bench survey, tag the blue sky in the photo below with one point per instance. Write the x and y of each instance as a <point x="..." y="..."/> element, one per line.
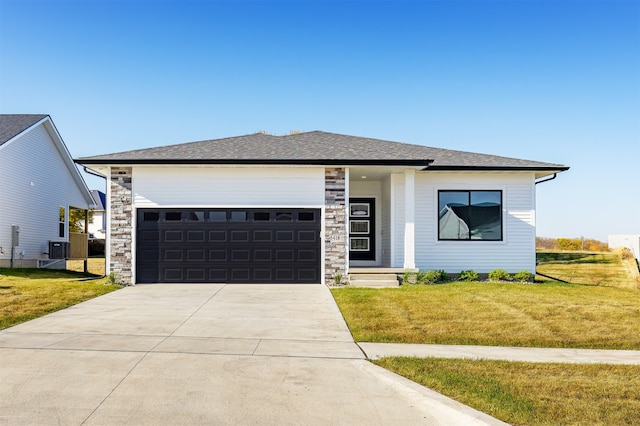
<point x="555" y="81"/>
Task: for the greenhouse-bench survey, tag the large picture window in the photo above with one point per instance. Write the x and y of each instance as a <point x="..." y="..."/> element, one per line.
<point x="470" y="215"/>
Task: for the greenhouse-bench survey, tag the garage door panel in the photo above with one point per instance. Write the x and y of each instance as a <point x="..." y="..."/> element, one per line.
<point x="196" y="236"/>
<point x="196" y="274"/>
<point x="172" y="236"/>
<point x="173" y="275"/>
<point x="307" y="236"/>
<point x="263" y="236"/>
<point x="174" y="255"/>
<point x="195" y="255"/>
<point x="284" y="236"/>
<point x="284" y="255"/>
<point x="262" y="275"/>
<point x="217" y="275"/>
<point x="310" y="275"/>
<point x="218" y="255"/>
<point x="228" y="245"/>
<point x="218" y="236"/>
<point x="240" y="255"/>
<point x="284" y="275"/>
<point x="150" y="236"/>
<point x="307" y="255"/>
<point x="148" y="275"/>
<point x="262" y="255"/>
<point x="240" y="275"/>
<point x="239" y="236"/>
<point x="150" y="255"/>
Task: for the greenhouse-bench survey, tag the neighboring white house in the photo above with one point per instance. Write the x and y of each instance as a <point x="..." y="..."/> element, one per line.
<point x="98" y="222"/>
<point x="302" y="208"/>
<point x="39" y="184"/>
<point x="630" y="241"/>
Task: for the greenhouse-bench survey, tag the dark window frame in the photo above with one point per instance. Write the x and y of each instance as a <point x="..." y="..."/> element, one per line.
<point x="469" y="192"/>
<point x="173" y="216"/>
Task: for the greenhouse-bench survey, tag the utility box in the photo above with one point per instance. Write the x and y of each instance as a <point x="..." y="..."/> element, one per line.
<point x="58" y="250"/>
<point x="15" y="235"/>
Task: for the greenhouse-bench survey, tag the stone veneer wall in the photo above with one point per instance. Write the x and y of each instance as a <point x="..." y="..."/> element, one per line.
<point x="121" y="239"/>
<point x="335" y="260"/>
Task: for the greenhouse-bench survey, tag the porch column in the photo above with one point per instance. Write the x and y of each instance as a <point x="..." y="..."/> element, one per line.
<point x="409" y="219"/>
<point x="335" y="245"/>
<point x="120" y="234"/>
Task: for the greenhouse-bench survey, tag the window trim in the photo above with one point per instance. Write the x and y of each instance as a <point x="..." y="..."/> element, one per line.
<point x="62" y="221"/>
<point x="501" y="191"/>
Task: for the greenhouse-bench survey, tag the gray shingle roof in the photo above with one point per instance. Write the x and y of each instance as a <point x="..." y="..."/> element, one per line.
<point x="13" y="124"/>
<point x="313" y="148"/>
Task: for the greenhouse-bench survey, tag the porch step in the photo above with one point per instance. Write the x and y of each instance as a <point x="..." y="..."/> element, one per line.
<point x="373" y="278"/>
<point x="374" y="283"/>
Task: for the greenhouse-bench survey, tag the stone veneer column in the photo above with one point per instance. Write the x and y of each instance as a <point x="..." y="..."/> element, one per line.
<point x="121" y="224"/>
<point x="335" y="260"/>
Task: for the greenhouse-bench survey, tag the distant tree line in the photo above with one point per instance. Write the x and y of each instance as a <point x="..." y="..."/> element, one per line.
<point x="574" y="244"/>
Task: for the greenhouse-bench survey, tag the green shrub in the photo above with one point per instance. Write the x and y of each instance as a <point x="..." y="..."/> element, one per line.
<point x="337" y="278"/>
<point x="523" y="276"/>
<point x="112" y="278"/>
<point x="409" y="278"/>
<point x="468" y="275"/>
<point x="432" y="277"/>
<point x="499" y="275"/>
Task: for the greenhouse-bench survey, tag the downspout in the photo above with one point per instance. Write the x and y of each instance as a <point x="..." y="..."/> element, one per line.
<point x="535" y="270"/>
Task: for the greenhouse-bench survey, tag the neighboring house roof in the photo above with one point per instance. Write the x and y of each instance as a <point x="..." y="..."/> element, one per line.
<point x="315" y="148"/>
<point x="99" y="199"/>
<point x="12" y="125"/>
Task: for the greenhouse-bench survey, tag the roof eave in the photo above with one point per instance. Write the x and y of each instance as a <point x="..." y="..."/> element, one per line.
<point x="499" y="168"/>
<point x="314" y="162"/>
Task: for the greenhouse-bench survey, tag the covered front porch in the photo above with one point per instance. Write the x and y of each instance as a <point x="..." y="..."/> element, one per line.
<point x="380" y="217"/>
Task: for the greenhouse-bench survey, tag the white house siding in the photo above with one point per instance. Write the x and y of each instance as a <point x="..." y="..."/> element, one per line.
<point x="517" y="250"/>
<point x="228" y="187"/>
<point x="35" y="184"/>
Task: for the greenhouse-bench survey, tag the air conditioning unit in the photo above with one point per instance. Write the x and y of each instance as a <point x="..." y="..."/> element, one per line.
<point x="58" y="250"/>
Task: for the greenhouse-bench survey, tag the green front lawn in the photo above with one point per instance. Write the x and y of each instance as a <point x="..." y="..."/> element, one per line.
<point x="523" y="393"/>
<point x="495" y="314"/>
<point x="30" y="293"/>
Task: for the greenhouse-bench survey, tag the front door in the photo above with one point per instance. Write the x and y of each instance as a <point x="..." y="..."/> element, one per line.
<point x="362" y="228"/>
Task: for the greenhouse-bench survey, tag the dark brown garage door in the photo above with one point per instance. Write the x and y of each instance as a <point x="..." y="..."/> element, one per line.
<point x="228" y="246"/>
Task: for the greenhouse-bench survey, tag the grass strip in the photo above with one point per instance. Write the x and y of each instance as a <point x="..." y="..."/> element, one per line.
<point x="522" y="393"/>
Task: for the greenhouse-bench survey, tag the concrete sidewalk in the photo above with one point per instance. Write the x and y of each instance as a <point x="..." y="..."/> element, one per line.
<point x="578" y="356"/>
<point x="206" y="354"/>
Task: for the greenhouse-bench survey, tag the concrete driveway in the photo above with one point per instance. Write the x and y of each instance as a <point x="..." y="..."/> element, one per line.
<point x="206" y="354"/>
